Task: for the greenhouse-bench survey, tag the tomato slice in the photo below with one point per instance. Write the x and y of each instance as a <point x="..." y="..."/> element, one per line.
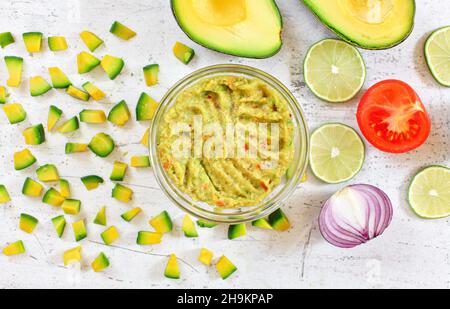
<point x="392" y="117"/>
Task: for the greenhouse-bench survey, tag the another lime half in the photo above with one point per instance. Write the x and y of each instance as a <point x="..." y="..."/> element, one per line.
<point x="334" y="70"/>
<point x="429" y="193"/>
<point x="437" y="53"/>
<point x="337" y="153"/>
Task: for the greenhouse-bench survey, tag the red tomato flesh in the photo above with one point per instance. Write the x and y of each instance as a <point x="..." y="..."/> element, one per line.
<point x="392" y="117"/>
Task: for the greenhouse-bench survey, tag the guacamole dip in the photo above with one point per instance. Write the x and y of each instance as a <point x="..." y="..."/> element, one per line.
<point x="227" y="141"/>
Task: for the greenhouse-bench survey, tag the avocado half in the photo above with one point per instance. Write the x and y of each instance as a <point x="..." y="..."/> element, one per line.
<point x="369" y="24"/>
<point x="244" y="28"/>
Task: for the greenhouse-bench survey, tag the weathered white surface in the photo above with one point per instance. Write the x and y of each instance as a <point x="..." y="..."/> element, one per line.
<point x="412" y="252"/>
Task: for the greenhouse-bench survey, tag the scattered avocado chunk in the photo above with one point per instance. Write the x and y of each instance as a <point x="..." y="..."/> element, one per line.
<point x="39" y="86"/>
<point x="279" y="221"/>
<point x="33" y="41"/>
<point x="102" y="145"/>
<point x="57" y="43"/>
<point x="53" y="198"/>
<point x="112" y="66"/>
<point x="162" y="223"/>
<point x="96" y="93"/>
<point x="47" y="173"/>
<point x="6" y="39"/>
<point x="15" y="113"/>
<point x="172" y="270"/>
<point x="72" y="256"/>
<point x="77" y="93"/>
<point x="237" y="230"/>
<point x="119" y="114"/>
<point x="64" y="188"/>
<point x="145" y="140"/>
<point x="32" y="188"/>
<point x="71" y="207"/>
<point x="100" y="263"/>
<point x="15" y="68"/>
<point x="92" y="116"/>
<point x="110" y="235"/>
<point x="28" y="223"/>
<point x="69" y="126"/>
<point x="4" y="195"/>
<point x="205" y="224"/>
<point x="3" y="94"/>
<point x="60" y="224"/>
<point x="86" y="62"/>
<point x="122" y="31"/>
<point x="91" y="40"/>
<point x="225" y="267"/>
<point x="140" y="161"/>
<point x="205" y="256"/>
<point x="262" y="223"/>
<point x="100" y="218"/>
<point x="15" y="248"/>
<point x="75" y="148"/>
<point x="23" y="159"/>
<point x="118" y="172"/>
<point x="183" y="53"/>
<point x="188" y="227"/>
<point x="34" y="135"/>
<point x="92" y="182"/>
<point x="151" y="74"/>
<point x="148" y="238"/>
<point x="146" y="107"/>
<point x="122" y="193"/>
<point x="59" y="79"/>
<point x="131" y="214"/>
<point x="54" y="114"/>
<point x="79" y="230"/>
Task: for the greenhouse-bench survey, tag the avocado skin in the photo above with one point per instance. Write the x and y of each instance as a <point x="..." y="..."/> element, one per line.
<point x="280" y="17"/>
<point x="345" y="38"/>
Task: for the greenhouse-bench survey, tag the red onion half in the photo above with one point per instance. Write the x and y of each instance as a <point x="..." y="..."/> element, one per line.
<point x="355" y="215"/>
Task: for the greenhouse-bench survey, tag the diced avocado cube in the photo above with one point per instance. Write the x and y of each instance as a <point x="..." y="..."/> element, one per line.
<point x="162" y="223"/>
<point x="33" y="41"/>
<point x="112" y="66"/>
<point x="71" y="207"/>
<point x="145" y="140"/>
<point x="60" y="224"/>
<point x="91" y="40"/>
<point x="131" y="214"/>
<point x="34" y="135"/>
<point x="110" y="235"/>
<point x="86" y="62"/>
<point x="279" y="221"/>
<point x="39" y="86"/>
<point x="23" y="159"/>
<point x="79" y="230"/>
<point x="262" y="223"/>
<point x="102" y="145"/>
<point x="15" y="113"/>
<point x="47" y="173"/>
<point x="100" y="218"/>
<point x="72" y="256"/>
<point x="122" y="193"/>
<point x="75" y="148"/>
<point x="15" y="67"/>
<point x="59" y="79"/>
<point x="146" y="107"/>
<point x="118" y="172"/>
<point x="14" y="249"/>
<point x="172" y="270"/>
<point x="225" y="267"/>
<point x="4" y="195"/>
<point x="119" y="114"/>
<point x="54" y="114"/>
<point x="28" y="223"/>
<point x="148" y="238"/>
<point x="92" y="182"/>
<point x="77" y="93"/>
<point x="122" y="31"/>
<point x="188" y="227"/>
<point x="183" y="52"/>
<point x="140" y="161"/>
<point x="32" y="188"/>
<point x="96" y="93"/>
<point x="92" y="116"/>
<point x="237" y="230"/>
<point x="69" y="126"/>
<point x="53" y="198"/>
<point x="6" y="39"/>
<point x="64" y="188"/>
<point x="57" y="43"/>
<point x="205" y="224"/>
<point x="205" y="256"/>
<point x="151" y="74"/>
<point x="100" y="263"/>
<point x="3" y="94"/>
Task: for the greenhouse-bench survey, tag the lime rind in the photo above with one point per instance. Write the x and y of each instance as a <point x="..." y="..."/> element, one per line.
<point x="421" y="197"/>
<point x="434" y="50"/>
<point x="349" y="157"/>
<point x="341" y="87"/>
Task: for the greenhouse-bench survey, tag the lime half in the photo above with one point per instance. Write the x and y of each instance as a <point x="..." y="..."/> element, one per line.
<point x="334" y="70"/>
<point x="429" y="193"/>
<point x="437" y="52"/>
<point x="337" y="153"/>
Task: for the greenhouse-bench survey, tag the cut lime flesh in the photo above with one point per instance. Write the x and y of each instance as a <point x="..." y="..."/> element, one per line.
<point x="437" y="53"/>
<point x="429" y="193"/>
<point x="334" y="70"/>
<point x="337" y="153"/>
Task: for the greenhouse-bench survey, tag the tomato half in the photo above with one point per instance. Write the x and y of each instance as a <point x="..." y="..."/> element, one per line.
<point x="392" y="117"/>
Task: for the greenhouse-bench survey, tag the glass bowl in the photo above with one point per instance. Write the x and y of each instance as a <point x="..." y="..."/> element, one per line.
<point x="280" y="194"/>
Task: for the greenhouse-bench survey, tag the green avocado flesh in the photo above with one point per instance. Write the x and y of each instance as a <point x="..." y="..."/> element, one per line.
<point x="370" y="24"/>
<point x="244" y="28"/>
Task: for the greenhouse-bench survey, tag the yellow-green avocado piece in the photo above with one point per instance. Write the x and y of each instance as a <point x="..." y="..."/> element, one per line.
<point x="15" y="68"/>
<point x="92" y="182"/>
<point x="112" y="66"/>
<point x="47" y="173"/>
<point x="100" y="218"/>
<point x="33" y="41"/>
<point x="131" y="214"/>
<point x="54" y="114"/>
<point x="91" y="40"/>
<point x="79" y="230"/>
<point x="86" y="62"/>
<point x="100" y="263"/>
<point x="189" y="228"/>
<point x="23" y="159"/>
<point x="60" y="224"/>
<point x="6" y="39"/>
<point x="15" y="113"/>
<point x="110" y="235"/>
<point x="32" y="188"/>
<point x="172" y="270"/>
<point x="14" y="248"/>
<point x="4" y="195"/>
<point x="39" y="86"/>
<point x="28" y="223"/>
<point x="225" y="267"/>
<point x="59" y="79"/>
<point x="34" y="135"/>
<point x="57" y="43"/>
<point x="162" y="223"/>
<point x="122" y="193"/>
<point x="122" y="31"/>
